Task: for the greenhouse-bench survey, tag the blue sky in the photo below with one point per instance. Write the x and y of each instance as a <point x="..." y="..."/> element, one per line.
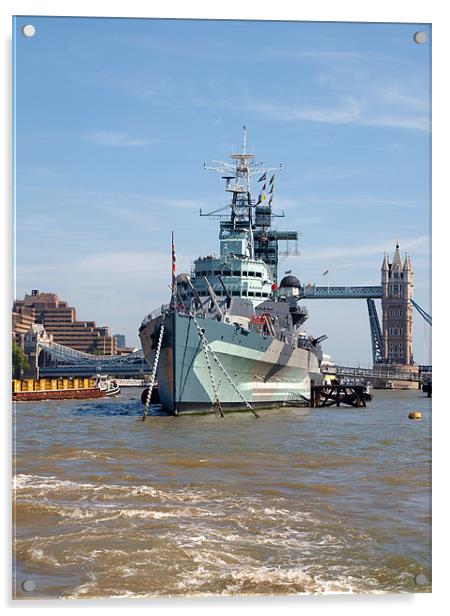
<point x="114" y="119"/>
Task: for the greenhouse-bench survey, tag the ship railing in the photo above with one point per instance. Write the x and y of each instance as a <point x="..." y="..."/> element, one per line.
<point x="155" y="314"/>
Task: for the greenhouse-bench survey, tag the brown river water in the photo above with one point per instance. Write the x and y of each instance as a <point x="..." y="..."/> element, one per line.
<point x="297" y="501"/>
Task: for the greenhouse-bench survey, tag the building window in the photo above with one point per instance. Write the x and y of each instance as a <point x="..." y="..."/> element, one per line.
<point x="396" y="331"/>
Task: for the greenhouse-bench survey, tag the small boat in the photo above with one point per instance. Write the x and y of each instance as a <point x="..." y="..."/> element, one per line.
<point x="368" y="394"/>
<point x="107" y="385"/>
<point x="61" y="389"/>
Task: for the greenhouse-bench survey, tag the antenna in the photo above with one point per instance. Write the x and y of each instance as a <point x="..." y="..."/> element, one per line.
<point x="244" y="145"/>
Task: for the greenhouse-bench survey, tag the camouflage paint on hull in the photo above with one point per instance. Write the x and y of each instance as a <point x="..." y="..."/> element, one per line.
<point x="266" y="371"/>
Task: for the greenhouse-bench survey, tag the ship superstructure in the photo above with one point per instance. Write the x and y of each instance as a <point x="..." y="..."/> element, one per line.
<point x="230" y="337"/>
<point x="249" y="246"/>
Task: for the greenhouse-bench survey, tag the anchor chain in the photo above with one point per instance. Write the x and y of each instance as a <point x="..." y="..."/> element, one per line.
<point x="219" y="363"/>
<point x="153" y="375"/>
<point x="217" y="405"/>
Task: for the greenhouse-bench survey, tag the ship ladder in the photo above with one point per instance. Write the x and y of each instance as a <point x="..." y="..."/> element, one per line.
<point x="269" y="325"/>
<point x="222" y="368"/>
<point x="153" y="375"/>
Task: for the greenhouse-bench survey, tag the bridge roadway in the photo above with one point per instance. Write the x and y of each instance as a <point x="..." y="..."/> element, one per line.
<point x="311" y="291"/>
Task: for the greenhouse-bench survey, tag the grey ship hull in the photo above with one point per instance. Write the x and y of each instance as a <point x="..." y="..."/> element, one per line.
<point x="267" y="372"/>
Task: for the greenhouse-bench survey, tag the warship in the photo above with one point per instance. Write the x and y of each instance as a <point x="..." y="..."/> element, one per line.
<point x="231" y="338"/>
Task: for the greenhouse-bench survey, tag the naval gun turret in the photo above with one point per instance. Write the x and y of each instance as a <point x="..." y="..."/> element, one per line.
<point x="289" y="292"/>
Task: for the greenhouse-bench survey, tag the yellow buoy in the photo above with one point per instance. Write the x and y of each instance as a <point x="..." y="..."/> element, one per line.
<point x="415" y="415"/>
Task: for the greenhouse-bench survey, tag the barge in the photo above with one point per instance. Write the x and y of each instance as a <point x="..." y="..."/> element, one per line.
<point x="60" y="389"/>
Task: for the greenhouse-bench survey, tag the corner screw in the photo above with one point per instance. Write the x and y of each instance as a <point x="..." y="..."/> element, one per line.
<point x="28" y="585"/>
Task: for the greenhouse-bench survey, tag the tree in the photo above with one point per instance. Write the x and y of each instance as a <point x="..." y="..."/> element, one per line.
<point x="19" y="361"/>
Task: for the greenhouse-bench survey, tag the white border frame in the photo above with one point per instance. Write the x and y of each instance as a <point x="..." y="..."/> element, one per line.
<point x="412" y="11"/>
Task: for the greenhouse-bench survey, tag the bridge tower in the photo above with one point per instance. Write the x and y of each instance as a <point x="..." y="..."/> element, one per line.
<point x="397" y="290"/>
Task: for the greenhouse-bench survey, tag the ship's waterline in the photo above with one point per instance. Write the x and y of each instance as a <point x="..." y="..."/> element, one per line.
<point x="298" y="501"/>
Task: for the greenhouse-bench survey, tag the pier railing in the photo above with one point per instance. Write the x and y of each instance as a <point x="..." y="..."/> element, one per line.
<point x="386" y="373"/>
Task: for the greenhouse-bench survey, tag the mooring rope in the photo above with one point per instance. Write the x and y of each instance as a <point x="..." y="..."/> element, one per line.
<point x="153" y="375"/>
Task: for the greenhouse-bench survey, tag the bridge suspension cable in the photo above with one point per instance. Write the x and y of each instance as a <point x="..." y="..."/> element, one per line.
<point x="422" y="312"/>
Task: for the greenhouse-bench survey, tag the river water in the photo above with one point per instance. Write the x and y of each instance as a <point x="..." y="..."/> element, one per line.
<point x="297" y="501"/>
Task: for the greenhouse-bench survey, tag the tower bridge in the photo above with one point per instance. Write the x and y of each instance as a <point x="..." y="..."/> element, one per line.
<point x="391" y="341"/>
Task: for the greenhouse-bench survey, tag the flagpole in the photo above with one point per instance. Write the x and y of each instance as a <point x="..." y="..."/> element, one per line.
<point x="173" y="272"/>
<point x="327" y="274"/>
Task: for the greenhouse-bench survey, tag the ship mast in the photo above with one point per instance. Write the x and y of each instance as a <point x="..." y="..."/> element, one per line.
<point x="237" y="182"/>
<point x="254" y="219"/>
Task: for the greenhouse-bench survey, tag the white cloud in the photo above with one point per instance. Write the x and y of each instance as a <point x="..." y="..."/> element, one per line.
<point x="109" y="268"/>
<point x="116" y="202"/>
<point x="116" y="289"/>
<point x="362" y="201"/>
<point x="117" y="139"/>
<point x="420" y="245"/>
<point x="346" y="110"/>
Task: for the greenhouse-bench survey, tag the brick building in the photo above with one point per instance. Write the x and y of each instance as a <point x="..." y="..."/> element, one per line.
<point x="60" y="320"/>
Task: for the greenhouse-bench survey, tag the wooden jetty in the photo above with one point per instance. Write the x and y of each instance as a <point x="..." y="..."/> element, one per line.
<point x="337" y="394"/>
